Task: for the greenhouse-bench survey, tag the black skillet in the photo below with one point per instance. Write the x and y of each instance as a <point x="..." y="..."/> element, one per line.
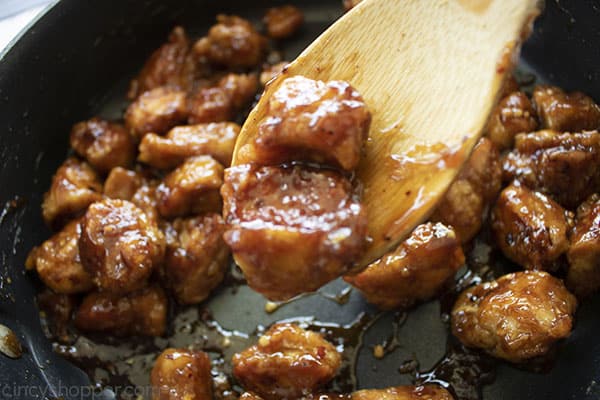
<point x="74" y="62"/>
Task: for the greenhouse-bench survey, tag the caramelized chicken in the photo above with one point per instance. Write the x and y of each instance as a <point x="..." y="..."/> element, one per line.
<point x="139" y="313"/>
<point x="197" y="257"/>
<point x="286" y="363"/>
<point x="122" y="183"/>
<point x="565" y="166"/>
<point x="427" y="392"/>
<point x="291" y="222"/>
<point x="269" y="72"/>
<point x="58" y="264"/>
<point x="584" y="254"/>
<point x="181" y="374"/>
<point x="105" y="145"/>
<point x="530" y="228"/>
<point x="560" y="111"/>
<point x="119" y="246"/>
<point x="514" y="114"/>
<point x="311" y="120"/>
<point x="283" y="22"/>
<point x="146" y="199"/>
<point x="517" y="317"/>
<point x="232" y="42"/>
<point x="74" y="187"/>
<point x="156" y="111"/>
<point x="191" y="188"/>
<point x="415" y="271"/>
<point x="216" y="140"/>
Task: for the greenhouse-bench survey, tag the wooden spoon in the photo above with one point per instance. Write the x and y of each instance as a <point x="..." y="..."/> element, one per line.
<point x="430" y="71"/>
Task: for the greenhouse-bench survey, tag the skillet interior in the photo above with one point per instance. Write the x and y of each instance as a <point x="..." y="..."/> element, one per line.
<point x="75" y="62"/>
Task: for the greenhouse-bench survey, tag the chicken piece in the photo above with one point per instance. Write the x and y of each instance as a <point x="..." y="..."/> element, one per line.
<point x="530" y="228"/>
<point x="270" y="72"/>
<point x="169" y="65"/>
<point x="74" y="187"/>
<point x="282" y="22"/>
<point x="350" y="4"/>
<point x="565" y="166"/>
<point x="560" y="111"/>
<point x="516" y="317"/>
<point x="105" y="145"/>
<point x="216" y="140"/>
<point x="314" y="121"/>
<point x="119" y="246"/>
<point x="139" y="313"/>
<point x="292" y="222"/>
<point x="122" y="183"/>
<point x="465" y="205"/>
<point x="147" y="200"/>
<point x="182" y="374"/>
<point x="156" y="111"/>
<point x="415" y="271"/>
<point x="509" y="86"/>
<point x="232" y="42"/>
<point x="197" y="257"/>
<point x="427" y="392"/>
<point x="287" y="362"/>
<point x="58" y="264"/>
<point x="514" y="114"/>
<point x="191" y="188"/>
<point x="584" y="254"/>
<point x="220" y="103"/>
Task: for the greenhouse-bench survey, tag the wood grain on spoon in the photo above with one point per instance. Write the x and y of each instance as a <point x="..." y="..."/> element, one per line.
<point x="430" y="72"/>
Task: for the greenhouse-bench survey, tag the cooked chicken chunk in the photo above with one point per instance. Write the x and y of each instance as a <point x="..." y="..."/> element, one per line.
<point x="232" y="42"/>
<point x="156" y="111"/>
<point x="119" y="246"/>
<point x="122" y="183"/>
<point x="182" y="374"/>
<point x="513" y="114"/>
<point x="139" y="313"/>
<point x="291" y="222"/>
<point x="517" y="317"/>
<point x="197" y="257"/>
<point x="216" y="140"/>
<point x="283" y="22"/>
<point x="253" y="396"/>
<point x="74" y="187"/>
<point x="530" y="228"/>
<point x="191" y="188"/>
<point x="287" y="362"/>
<point x="560" y="111"/>
<point x="466" y="202"/>
<point x="105" y="145"/>
<point x="427" y="392"/>
<point x="269" y="72"/>
<point x="58" y="264"/>
<point x="565" y="166"/>
<point x="415" y="271"/>
<point x="312" y="120"/>
<point x="584" y="254"/>
<point x="350" y="4"/>
<point x="146" y="199"/>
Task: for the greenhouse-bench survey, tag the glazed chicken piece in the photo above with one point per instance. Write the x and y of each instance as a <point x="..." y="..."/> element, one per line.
<point x="122" y="183"/>
<point x="415" y="271"/>
<point x="74" y="187"/>
<point x="58" y="264"/>
<point x="516" y="317"/>
<point x="270" y="72"/>
<point x="530" y="228"/>
<point x="514" y="114"/>
<point x="182" y="142"/>
<point x="191" y="188"/>
<point x="566" y="112"/>
<point x="286" y="363"/>
<point x="140" y="313"/>
<point x="465" y="204"/>
<point x="282" y="22"/>
<point x="584" y="254"/>
<point x="220" y="103"/>
<point x="197" y="257"/>
<point x="291" y="222"/>
<point x="169" y="65"/>
<point x="119" y="246"/>
<point x="156" y="111"/>
<point x="182" y="374"/>
<point x="232" y="42"/>
<point x="105" y="145"/>
<point x="427" y="392"/>
<point x="146" y="198"/>
<point x="326" y="123"/>
<point x="350" y="4"/>
<point x="565" y="166"/>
